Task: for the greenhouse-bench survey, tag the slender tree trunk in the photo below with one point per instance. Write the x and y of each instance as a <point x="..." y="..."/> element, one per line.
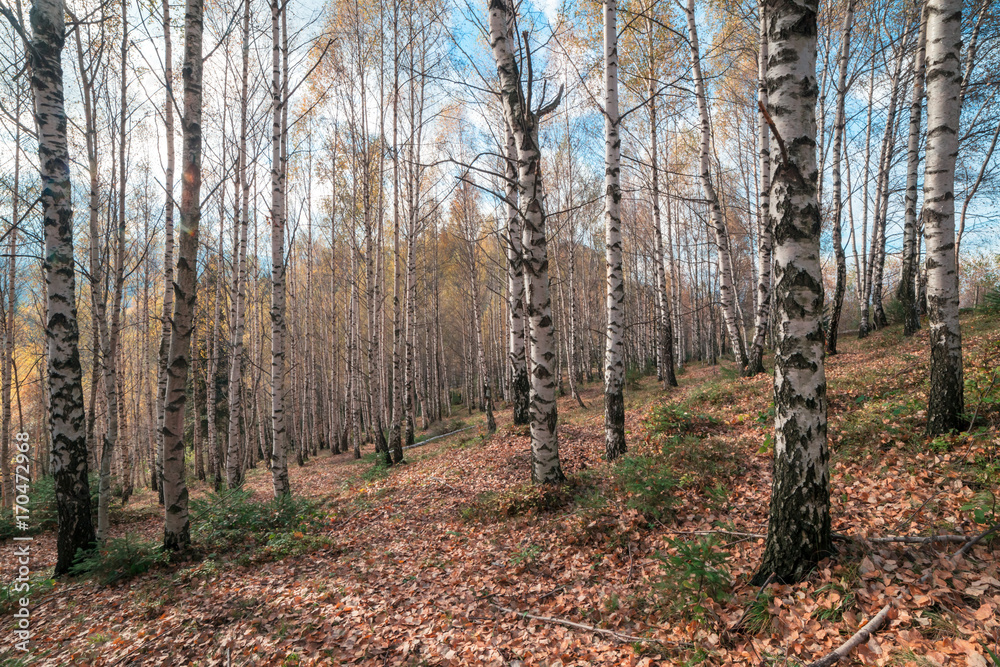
<point x="906" y="292"/>
<point x="177" y="532"/>
<point x="798" y="533"/>
<point x="764" y="236"/>
<point x="519" y="385"/>
<point x="726" y="287"/>
<point x="168" y="246"/>
<point x="279" y="453"/>
<point x="234" y="468"/>
<point x="614" y="365"/>
<point x="665" y="336"/>
<point x="944" y="40"/>
<point x="838" y="140"/>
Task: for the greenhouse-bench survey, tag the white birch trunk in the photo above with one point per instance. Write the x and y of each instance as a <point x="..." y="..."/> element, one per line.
<point x="65" y="382"/>
<point x="545" y="467"/>
<point x="799" y="524"/>
<point x="944" y="41"/>
<point x="614" y="363"/>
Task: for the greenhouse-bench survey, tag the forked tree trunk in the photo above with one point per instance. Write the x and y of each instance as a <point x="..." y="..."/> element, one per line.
<point x="798" y="533"/>
<point x="177" y="530"/>
<point x="755" y="364"/>
<point x="545" y="467"/>
<point x="944" y="41"/>
<point x="906" y="292"/>
<point x="65" y="382"/>
<point x="838" y="207"/>
<point x="727" y="291"/>
<point x="614" y="363"/>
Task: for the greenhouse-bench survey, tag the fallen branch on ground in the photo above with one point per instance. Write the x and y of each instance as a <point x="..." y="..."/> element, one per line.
<point x="904" y="539"/>
<point x="975" y="540"/>
<point x="621" y="637"/>
<point x="860" y="637"/>
<point x="436" y="437"/>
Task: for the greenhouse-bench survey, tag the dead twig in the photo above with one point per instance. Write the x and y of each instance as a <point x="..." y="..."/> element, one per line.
<point x="860" y="637"/>
<point x="904" y="539"/>
<point x="975" y="540"/>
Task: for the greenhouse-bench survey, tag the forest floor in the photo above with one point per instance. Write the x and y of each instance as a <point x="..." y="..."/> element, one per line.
<point x="436" y="562"/>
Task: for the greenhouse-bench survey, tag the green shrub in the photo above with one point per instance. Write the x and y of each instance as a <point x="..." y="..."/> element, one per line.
<point x="648" y="483"/>
<point x="234" y="522"/>
<point x="691" y="576"/>
<point x="38" y="585"/>
<point x="120" y="558"/>
<point x="43" y="514"/>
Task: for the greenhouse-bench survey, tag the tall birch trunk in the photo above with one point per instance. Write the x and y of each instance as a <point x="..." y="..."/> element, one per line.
<point x="944" y="41"/>
<point x="906" y="292"/>
<point x="279" y="452"/>
<point x="727" y="292"/>
<point x="762" y="316"/>
<point x="519" y="385"/>
<point x="168" y="246"/>
<point x="838" y="206"/>
<point x="65" y="382"/>
<point x="798" y="533"/>
<point x="177" y="531"/>
<point x="545" y="467"/>
<point x="234" y="469"/>
<point x="614" y="364"/>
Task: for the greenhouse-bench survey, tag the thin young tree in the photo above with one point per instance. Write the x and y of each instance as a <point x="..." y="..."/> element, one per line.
<point x="839" y="124"/>
<point x="614" y="363"/>
<point x="727" y="289"/>
<point x="906" y="292"/>
<point x="755" y="362"/>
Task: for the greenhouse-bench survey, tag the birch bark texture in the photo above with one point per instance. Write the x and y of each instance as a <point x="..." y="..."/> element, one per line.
<point x="798" y="534"/>
<point x="755" y="363"/>
<point x="944" y="81"/>
<point x="279" y="451"/>
<point x="65" y="389"/>
<point x="906" y="292"/>
<point x="519" y="385"/>
<point x="545" y="466"/>
<point x="177" y="527"/>
<point x="614" y="363"/>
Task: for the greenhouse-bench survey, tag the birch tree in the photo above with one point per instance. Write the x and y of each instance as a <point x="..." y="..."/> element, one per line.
<point x="944" y="80"/>
<point x="62" y="334"/>
<point x="906" y="292"/>
<point x="755" y="363"/>
<point x="839" y="123"/>
<point x="176" y="530"/>
<point x="798" y="532"/>
<point x="523" y="121"/>
<point x="614" y="364"/>
<point x="279" y="433"/>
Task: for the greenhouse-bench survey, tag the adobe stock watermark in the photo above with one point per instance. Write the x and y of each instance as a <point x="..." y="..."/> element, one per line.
<point x="22" y="543"/>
